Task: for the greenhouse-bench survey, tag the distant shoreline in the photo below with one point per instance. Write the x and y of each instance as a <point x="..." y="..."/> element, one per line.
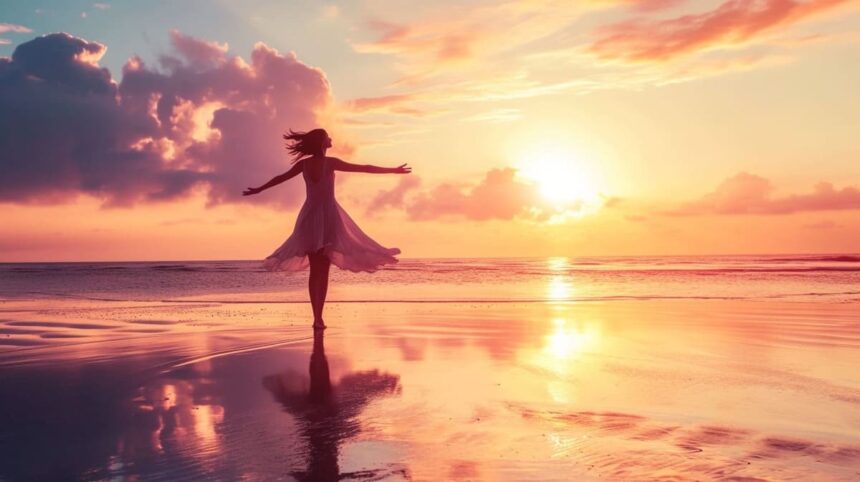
<point x="441" y="258"/>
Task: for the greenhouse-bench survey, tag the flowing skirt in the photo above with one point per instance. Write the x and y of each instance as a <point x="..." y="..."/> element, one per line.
<point x="329" y="228"/>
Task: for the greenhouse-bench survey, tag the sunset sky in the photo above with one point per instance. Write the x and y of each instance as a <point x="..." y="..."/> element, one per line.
<point x="535" y="128"/>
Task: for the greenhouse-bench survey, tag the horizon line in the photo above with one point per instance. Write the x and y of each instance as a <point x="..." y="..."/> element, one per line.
<point x="837" y="253"/>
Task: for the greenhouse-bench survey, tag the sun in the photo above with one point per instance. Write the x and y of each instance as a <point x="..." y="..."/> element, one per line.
<point x="563" y="179"/>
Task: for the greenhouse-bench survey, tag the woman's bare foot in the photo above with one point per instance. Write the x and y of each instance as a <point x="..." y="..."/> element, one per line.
<point x="319" y="325"/>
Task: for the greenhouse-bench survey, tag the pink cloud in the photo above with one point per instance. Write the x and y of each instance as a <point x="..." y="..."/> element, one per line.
<point x="393" y="198"/>
<point x="11" y="27"/>
<point x="500" y="195"/>
<point x="202" y="119"/>
<point x="733" y="22"/>
<point x="198" y="53"/>
<point x="465" y="35"/>
<point x="392" y="104"/>
<point x="747" y="193"/>
<point x="507" y="49"/>
<point x="642" y="5"/>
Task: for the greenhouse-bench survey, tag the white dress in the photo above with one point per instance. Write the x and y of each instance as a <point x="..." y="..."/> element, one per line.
<point x="323" y="225"/>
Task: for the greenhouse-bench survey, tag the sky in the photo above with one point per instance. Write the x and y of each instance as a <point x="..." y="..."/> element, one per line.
<point x="534" y="128"/>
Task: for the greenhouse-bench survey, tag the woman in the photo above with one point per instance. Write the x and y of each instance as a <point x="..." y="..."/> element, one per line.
<point x="324" y="232"/>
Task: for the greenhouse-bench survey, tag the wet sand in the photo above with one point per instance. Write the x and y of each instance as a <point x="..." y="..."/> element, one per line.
<point x="621" y="390"/>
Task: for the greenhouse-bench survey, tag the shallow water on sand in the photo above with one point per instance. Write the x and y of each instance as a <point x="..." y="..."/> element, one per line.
<point x="622" y="390"/>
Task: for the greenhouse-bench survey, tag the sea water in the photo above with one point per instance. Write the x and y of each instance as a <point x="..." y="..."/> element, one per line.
<point x="832" y="278"/>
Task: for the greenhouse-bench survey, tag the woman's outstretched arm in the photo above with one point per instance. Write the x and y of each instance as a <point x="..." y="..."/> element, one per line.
<point x="340" y="165"/>
<point x="293" y="172"/>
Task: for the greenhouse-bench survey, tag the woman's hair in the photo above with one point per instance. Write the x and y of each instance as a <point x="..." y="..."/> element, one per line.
<point x="301" y="144"/>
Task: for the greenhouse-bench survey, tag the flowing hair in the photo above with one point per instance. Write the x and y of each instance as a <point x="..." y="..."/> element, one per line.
<point x="303" y="144"/>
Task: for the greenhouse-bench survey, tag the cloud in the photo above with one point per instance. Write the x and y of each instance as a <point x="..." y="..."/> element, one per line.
<point x="497" y="51"/>
<point x="733" y="22"/>
<point x="202" y="119"/>
<point x="502" y="194"/>
<point x="463" y="35"/>
<point x="498" y="196"/>
<point x="651" y="5"/>
<point x="747" y="193"/>
<point x="200" y="54"/>
<point x="495" y="115"/>
<point x="393" y="198"/>
<point x="448" y="38"/>
<point x="11" y="27"/>
<point x="391" y="104"/>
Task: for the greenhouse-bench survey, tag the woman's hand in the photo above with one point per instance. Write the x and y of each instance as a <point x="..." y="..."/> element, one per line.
<point x="401" y="169"/>
<point x="251" y="190"/>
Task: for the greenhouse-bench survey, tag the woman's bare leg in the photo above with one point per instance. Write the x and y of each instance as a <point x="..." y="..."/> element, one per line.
<point x="312" y="282"/>
<point x="318" y="285"/>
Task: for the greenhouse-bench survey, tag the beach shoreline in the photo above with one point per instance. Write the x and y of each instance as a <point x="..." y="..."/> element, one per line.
<point x="600" y="390"/>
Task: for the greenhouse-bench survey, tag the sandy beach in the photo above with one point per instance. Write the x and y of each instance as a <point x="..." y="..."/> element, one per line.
<point x="619" y="390"/>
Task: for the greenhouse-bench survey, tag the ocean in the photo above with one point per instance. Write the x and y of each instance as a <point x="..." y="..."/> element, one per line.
<point x="829" y="278"/>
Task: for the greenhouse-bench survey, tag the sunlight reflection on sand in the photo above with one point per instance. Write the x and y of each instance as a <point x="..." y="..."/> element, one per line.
<point x="480" y="391"/>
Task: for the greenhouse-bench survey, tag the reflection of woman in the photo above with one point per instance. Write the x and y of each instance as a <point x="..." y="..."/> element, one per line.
<point x="327" y="413"/>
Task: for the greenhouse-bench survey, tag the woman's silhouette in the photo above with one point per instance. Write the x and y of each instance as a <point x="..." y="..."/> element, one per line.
<point x="324" y="233"/>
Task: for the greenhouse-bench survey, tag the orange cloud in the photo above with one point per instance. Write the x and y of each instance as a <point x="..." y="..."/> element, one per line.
<point x="381" y="102"/>
<point x="734" y="22"/>
<point x="513" y="49"/>
<point x="391" y="104"/>
<point x="464" y="35"/>
<point x="747" y="193"/>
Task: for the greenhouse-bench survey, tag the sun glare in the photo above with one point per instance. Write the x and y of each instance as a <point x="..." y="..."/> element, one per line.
<point x="563" y="179"/>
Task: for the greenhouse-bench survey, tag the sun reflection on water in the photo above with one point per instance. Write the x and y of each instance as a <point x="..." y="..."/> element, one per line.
<point x="558" y="264"/>
<point x="204" y="420"/>
<point x="561" y="353"/>
<point x="565" y="342"/>
<point x="559" y="289"/>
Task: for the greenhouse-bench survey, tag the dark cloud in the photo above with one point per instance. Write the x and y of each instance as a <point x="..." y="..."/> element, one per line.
<point x="202" y="118"/>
